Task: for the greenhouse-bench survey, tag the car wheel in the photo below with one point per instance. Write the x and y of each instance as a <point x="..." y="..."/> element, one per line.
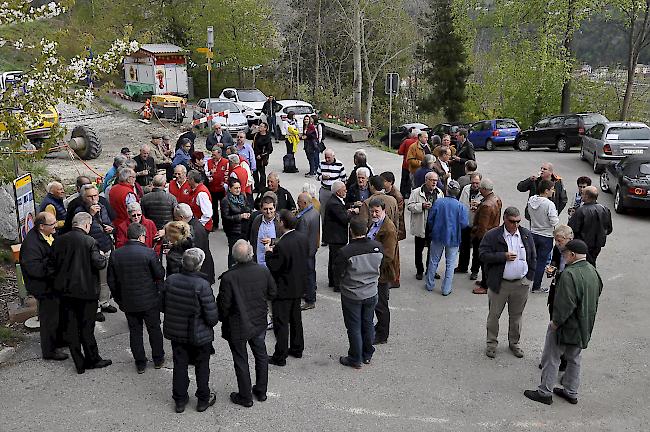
<point x="489" y="145"/>
<point x="618" y="202"/>
<point x="562" y="145"/>
<point x="604" y="182"/>
<point x="582" y="153"/>
<point x="523" y="145"/>
<point x="598" y="168"/>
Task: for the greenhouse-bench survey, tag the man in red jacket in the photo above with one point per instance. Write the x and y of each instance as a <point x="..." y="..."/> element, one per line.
<point x="179" y="187"/>
<point x="122" y="194"/>
<point x="199" y="199"/>
<point x="404" y="185"/>
<point x="218" y="170"/>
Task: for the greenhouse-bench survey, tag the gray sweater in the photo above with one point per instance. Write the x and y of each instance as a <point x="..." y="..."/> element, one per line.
<point x="543" y="215"/>
<point x="358" y="265"/>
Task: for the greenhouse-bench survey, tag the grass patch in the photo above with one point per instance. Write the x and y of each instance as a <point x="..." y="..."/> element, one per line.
<point x="9" y="336"/>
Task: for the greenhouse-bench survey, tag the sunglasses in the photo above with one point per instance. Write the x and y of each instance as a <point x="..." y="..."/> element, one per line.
<point x="514" y="221"/>
<point x="135" y="214"/>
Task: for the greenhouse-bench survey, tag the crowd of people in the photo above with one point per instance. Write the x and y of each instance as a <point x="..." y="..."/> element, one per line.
<point x="140" y="240"/>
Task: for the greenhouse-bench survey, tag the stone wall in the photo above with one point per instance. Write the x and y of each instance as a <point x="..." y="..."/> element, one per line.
<point x="8" y="224"/>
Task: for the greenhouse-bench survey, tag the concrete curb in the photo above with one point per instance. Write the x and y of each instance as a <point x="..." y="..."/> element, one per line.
<point x="6" y="354"/>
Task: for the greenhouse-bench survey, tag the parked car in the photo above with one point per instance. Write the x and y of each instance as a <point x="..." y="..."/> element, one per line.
<point x="235" y="121"/>
<point x="448" y="128"/>
<point x="629" y="180"/>
<point x="251" y="101"/>
<point x="299" y="108"/>
<point x="401" y="132"/>
<point x="489" y="134"/>
<point x="561" y="131"/>
<point x="613" y="141"/>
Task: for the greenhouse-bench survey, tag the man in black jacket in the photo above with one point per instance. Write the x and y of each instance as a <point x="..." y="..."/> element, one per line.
<point x="158" y="205"/>
<point x="531" y="184"/>
<point x="190" y="315"/>
<point x="287" y="261"/>
<point x="464" y="153"/>
<point x="285" y="200"/>
<point x="75" y="200"/>
<point x="76" y="264"/>
<point x="134" y="272"/>
<point x="218" y="137"/>
<point x="591" y="223"/>
<point x="145" y="167"/>
<point x="269" y="109"/>
<point x="244" y="292"/>
<point x="200" y="239"/>
<point x="335" y="227"/>
<point x="35" y="252"/>
<point x="508" y="256"/>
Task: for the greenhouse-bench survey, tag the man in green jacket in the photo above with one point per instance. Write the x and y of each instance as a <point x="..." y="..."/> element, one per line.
<point x="574" y="314"/>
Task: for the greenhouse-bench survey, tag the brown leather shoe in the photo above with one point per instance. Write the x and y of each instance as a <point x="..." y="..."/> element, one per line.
<point x="479" y="290"/>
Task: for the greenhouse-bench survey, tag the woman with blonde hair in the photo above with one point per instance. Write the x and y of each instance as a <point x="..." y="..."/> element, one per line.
<point x="179" y="236"/>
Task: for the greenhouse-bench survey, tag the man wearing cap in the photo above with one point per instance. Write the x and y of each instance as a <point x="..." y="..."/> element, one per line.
<point x="126" y="152"/>
<point x="574" y="313"/>
<point x="161" y="154"/>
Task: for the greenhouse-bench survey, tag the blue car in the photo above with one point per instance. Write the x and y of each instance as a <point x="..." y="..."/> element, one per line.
<point x="488" y="134"/>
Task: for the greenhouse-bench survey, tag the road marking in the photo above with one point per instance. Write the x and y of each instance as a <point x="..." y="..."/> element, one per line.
<point x="100" y="327"/>
<point x="338" y="300"/>
<point x="383" y="414"/>
<point x="617" y="276"/>
<point x="128" y="350"/>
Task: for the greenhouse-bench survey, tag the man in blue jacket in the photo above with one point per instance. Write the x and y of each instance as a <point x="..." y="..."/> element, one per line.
<point x="447" y="218"/>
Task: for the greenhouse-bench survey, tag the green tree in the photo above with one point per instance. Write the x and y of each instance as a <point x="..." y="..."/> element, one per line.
<point x="446" y="71"/>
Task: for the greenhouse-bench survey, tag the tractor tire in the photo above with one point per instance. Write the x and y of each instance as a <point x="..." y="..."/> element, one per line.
<point x="93" y="147"/>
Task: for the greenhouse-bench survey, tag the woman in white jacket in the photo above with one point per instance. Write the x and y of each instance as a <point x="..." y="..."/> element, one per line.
<point x="543" y="220"/>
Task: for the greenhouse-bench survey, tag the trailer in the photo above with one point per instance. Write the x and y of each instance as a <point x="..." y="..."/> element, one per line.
<point x="156" y="69"/>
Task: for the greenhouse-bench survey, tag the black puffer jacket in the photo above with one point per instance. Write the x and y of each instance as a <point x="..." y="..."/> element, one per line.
<point x="175" y="256"/>
<point x="190" y="309"/>
<point x="242" y="301"/>
<point x="76" y="263"/>
<point x="233" y="224"/>
<point x="200" y="240"/>
<point x="134" y="272"/>
<point x="35" y="254"/>
<point x="158" y="206"/>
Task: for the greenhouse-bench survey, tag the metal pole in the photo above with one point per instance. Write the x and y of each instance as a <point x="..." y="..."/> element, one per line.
<point x="390" y="114"/>
<point x="210" y="44"/>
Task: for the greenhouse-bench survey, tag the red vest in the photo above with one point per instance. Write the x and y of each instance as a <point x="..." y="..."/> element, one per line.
<point x="220" y="174"/>
<point x="242" y="175"/>
<point x="194" y="204"/>
<point x="182" y="193"/>
<point x="117" y="200"/>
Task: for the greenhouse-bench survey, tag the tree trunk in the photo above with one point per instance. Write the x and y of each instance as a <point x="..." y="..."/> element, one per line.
<point x="629" y="86"/>
<point x="568" y="39"/>
<point x="356" y="55"/>
<point x="317" y="50"/>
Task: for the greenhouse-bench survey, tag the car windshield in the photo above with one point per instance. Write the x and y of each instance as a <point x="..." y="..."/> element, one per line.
<point x="299" y="110"/>
<point x="251" y="96"/>
<point x="644" y="169"/>
<point x="631" y="134"/>
<point x="507" y="124"/>
<point x="593" y="118"/>
<point x="223" y="106"/>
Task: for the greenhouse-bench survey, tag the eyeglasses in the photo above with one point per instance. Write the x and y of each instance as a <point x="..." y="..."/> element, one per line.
<point x="136" y="214"/>
<point x="513" y="221"/>
<point x="50" y="224"/>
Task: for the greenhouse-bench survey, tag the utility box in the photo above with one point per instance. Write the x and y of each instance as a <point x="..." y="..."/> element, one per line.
<point x="156" y="69"/>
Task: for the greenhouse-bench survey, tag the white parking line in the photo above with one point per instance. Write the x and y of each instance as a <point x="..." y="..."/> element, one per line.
<point x="383" y="414"/>
<point x="616" y="276"/>
<point x="338" y="300"/>
<point x="100" y="327"/>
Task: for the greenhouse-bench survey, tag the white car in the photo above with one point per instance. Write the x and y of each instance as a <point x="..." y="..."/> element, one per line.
<point x="234" y="123"/>
<point x="299" y="108"/>
<point x="252" y="100"/>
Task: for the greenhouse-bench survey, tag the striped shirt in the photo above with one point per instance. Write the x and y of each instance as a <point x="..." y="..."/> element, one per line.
<point x="334" y="172"/>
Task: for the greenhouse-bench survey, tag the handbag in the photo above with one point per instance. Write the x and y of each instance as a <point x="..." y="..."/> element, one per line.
<point x="321" y="147"/>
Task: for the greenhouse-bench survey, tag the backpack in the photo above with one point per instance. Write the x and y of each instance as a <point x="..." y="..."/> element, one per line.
<point x="289" y="163"/>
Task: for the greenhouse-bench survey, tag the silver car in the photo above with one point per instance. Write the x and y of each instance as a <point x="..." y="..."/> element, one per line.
<point x="612" y="141"/>
<point x="234" y="123"/>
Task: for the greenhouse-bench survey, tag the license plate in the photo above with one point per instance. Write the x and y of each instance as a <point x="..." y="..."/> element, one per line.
<point x="632" y="151"/>
<point x="510" y="138"/>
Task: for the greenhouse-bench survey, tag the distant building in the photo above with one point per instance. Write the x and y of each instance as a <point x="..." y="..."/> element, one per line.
<point x="641" y="69"/>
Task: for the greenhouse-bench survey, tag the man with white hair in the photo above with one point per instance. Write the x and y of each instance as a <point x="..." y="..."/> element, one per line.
<point x="183" y="212"/>
<point x="219" y="137"/>
<point x="123" y="193"/>
<point x="244" y="293"/>
<point x="246" y="151"/>
<point x="238" y="171"/>
<point x="179" y="187"/>
<point x="200" y="200"/>
<point x="416" y="153"/>
<point x="217" y="170"/>
<point x="145" y="167"/>
<point x="53" y="202"/>
<point x="136" y="216"/>
<point x="158" y="205"/>
<point x="358" y="191"/>
<point x="487" y="216"/>
<point x="285" y="200"/>
<point x="329" y="171"/>
<point x="309" y="225"/>
<point x="360" y="161"/>
<point x="118" y="161"/>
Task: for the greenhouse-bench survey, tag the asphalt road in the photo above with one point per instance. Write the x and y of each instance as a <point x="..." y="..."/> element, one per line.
<point x="432" y="375"/>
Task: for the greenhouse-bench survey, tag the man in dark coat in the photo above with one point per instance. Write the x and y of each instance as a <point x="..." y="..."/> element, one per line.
<point x="244" y="293"/>
<point x="200" y="239"/>
<point x="145" y="167"/>
<point x="335" y="227"/>
<point x="285" y="200"/>
<point x="134" y="275"/>
<point x="76" y="264"/>
<point x="465" y="153"/>
<point x="574" y="314"/>
<point x="35" y="253"/>
<point x="75" y="200"/>
<point x="287" y="261"/>
<point x="591" y="223"/>
<point x="309" y="225"/>
<point x="190" y="315"/>
<point x="530" y="185"/>
<point x="218" y="137"/>
<point x="158" y="205"/>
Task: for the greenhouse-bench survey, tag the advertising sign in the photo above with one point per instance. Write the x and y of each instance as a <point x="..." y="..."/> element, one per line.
<point x="25" y="204"/>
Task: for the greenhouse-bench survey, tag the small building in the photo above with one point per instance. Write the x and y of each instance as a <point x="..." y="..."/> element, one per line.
<point x="156" y="69"/>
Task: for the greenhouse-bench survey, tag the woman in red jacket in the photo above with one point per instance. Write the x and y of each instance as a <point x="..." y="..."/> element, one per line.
<point x="135" y="215"/>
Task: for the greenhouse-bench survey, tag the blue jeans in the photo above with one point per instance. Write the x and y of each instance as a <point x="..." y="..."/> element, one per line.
<point x="310" y="290"/>
<point x="358" y="316"/>
<point x="435" y="251"/>
<point x="312" y="158"/>
<point x="544" y="248"/>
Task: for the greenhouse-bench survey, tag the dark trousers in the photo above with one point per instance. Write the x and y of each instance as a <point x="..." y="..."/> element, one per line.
<point x="382" y="328"/>
<point x="592" y="255"/>
<point x="240" y="359"/>
<point x="333" y="253"/>
<point x="420" y="244"/>
<point x="467" y="248"/>
<point x="259" y="175"/>
<point x="81" y="331"/>
<point x="169" y="171"/>
<point x="289" y="146"/>
<point x="273" y="128"/>
<point x="310" y="289"/>
<point x="216" y="205"/>
<point x="476" y="259"/>
<point x="405" y="183"/>
<point x="151" y="319"/>
<point x="313" y="159"/>
<point x="287" y="327"/>
<point x="185" y="354"/>
<point x="358" y="317"/>
<point x="51" y="319"/>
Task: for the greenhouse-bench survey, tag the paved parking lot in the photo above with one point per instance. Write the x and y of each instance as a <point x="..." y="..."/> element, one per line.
<point x="432" y="375"/>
